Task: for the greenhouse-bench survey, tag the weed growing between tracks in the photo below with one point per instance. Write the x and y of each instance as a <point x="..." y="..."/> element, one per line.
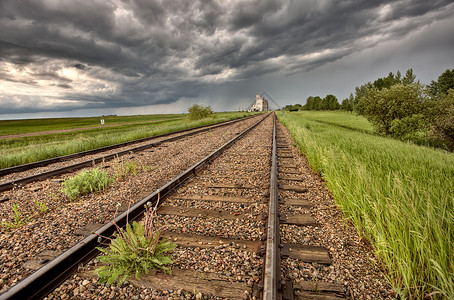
<point x="122" y="168"/>
<point x="397" y="194"/>
<point x="87" y="181"/>
<point x="19" y="221"/>
<point x="42" y="207"/>
<point x="135" y="250"/>
<point x="90" y="181"/>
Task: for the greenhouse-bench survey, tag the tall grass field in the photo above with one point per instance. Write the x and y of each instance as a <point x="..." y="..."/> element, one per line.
<point x="22" y="150"/>
<point x="399" y="195"/>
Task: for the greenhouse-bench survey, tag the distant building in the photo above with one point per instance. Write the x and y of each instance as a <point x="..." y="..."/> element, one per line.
<point x="261" y="104"/>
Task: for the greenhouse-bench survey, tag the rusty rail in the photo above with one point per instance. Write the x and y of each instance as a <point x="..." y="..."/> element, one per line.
<point x="274" y="288"/>
<point x="272" y="256"/>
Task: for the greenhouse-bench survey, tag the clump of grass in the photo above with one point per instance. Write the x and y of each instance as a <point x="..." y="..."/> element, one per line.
<point x="41" y="207"/>
<point x="397" y="194"/>
<point x="19" y="221"/>
<point x="87" y="181"/>
<point x="122" y="168"/>
<point x="135" y="250"/>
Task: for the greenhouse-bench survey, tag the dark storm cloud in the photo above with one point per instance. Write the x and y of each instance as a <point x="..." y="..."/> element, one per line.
<point x="141" y="52"/>
<point x="80" y="66"/>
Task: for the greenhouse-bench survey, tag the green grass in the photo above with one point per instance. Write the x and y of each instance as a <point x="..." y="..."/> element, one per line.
<point x="9" y="127"/>
<point x="19" y="221"/>
<point x="87" y="181"/>
<point x="340" y="119"/>
<point x="17" y="151"/>
<point x="397" y="194"/>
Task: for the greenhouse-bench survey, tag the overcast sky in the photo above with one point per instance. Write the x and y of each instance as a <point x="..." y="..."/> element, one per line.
<point x="77" y="58"/>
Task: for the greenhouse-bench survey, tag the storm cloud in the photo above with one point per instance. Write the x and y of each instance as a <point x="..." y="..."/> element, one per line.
<point x="66" y="55"/>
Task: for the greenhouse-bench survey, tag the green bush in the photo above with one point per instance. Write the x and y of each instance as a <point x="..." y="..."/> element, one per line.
<point x="135" y="249"/>
<point x="197" y="112"/>
<point x="399" y="102"/>
<point x="409" y="128"/>
<point x="87" y="181"/>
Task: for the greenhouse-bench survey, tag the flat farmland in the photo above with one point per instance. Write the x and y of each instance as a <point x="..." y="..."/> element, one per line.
<point x="25" y="141"/>
<point x="14" y="127"/>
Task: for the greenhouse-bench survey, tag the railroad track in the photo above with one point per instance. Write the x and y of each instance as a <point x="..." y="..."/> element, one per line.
<point x="231" y="215"/>
<point x="20" y="175"/>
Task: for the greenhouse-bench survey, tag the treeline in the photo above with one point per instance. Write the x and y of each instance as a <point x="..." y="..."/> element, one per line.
<point x="316" y="103"/>
<point x="401" y="107"/>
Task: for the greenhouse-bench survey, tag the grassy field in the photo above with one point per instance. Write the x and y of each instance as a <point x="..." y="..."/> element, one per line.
<point x="399" y="195"/>
<point x="10" y="127"/>
<point x="22" y="150"/>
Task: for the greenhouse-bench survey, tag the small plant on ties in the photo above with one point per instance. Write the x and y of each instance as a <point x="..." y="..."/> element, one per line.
<point x="135" y="250"/>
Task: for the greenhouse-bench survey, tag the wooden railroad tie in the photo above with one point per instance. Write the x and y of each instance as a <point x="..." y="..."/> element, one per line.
<point x="204" y="213"/>
<point x="295" y="188"/>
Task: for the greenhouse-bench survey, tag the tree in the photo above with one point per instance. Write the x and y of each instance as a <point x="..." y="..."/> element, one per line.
<point x="290" y="107"/>
<point x="347" y="103"/>
<point x="330" y="103"/>
<point x="437" y="89"/>
<point x="387" y="82"/>
<point x="298" y="106"/>
<point x="383" y="83"/>
<point x="294" y="107"/>
<point x="197" y="112"/>
<point x="394" y="111"/>
<point x="442" y="118"/>
<point x="309" y="103"/>
<point x="409" y="77"/>
<point x="317" y="103"/>
<point x="361" y="92"/>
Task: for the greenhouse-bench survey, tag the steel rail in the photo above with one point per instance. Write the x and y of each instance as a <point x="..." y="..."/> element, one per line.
<point x="43" y="163"/>
<point x="21" y="181"/>
<point x="271" y="277"/>
<point x="47" y="278"/>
